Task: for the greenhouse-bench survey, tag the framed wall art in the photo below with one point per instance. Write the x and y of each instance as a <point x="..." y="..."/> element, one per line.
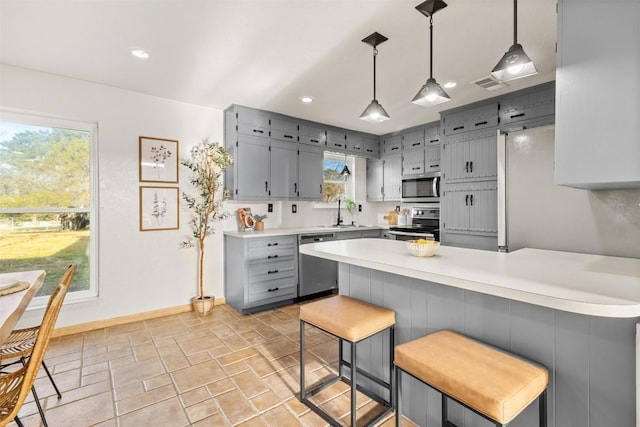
<point x="159" y="208"/>
<point x="158" y="160"/>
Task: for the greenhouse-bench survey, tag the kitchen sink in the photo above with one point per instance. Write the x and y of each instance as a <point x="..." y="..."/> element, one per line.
<point x="346" y="226"/>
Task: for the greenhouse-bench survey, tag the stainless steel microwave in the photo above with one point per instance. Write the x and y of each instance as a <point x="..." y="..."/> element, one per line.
<point x="421" y="189"/>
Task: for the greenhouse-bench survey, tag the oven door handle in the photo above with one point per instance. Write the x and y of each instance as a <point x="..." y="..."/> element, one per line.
<point x="409" y="233"/>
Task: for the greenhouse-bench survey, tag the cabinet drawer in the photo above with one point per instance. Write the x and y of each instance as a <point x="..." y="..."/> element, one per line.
<point x="277" y="253"/>
<point x="271" y="243"/>
<point x="272" y="290"/>
<point x="252" y="122"/>
<point x="312" y="135"/>
<point x="271" y="271"/>
<point x="284" y="130"/>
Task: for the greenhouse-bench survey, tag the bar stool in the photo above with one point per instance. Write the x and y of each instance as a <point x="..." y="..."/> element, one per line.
<point x="349" y="320"/>
<point x="493" y="383"/>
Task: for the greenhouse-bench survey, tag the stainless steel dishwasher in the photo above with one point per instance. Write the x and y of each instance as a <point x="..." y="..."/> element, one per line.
<point x="315" y="274"/>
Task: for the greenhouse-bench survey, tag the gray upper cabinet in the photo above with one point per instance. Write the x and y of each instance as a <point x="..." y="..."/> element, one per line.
<point x="310" y="172"/>
<point x="311" y="135"/>
<point x="354" y="144"/>
<point x="252" y="122"/>
<point x="251" y="168"/>
<point x="470" y="156"/>
<point x="528" y="108"/>
<point x="392" y="178"/>
<point x="432" y="135"/>
<point x="284" y="130"/>
<point x="597" y="126"/>
<point x="413" y="162"/>
<point x="392" y="145"/>
<point x="371" y="147"/>
<point x="375" y="180"/>
<point x="471" y="119"/>
<point x="336" y="140"/>
<point x="413" y="140"/>
<point x="284" y="171"/>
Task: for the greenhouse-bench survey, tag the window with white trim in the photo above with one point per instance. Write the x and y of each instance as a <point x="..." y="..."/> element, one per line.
<point x="335" y="185"/>
<point x="47" y="218"/>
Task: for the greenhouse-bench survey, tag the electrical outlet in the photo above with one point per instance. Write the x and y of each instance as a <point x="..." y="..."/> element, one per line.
<point x="359" y="208"/>
<point x="294" y="208"/>
<point x="270" y="207"/>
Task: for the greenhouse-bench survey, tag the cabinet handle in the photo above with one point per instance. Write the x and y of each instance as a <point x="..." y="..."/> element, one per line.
<point x="272" y="271"/>
<point x="266" y="186"/>
<point x="416" y="168"/>
<point x="314" y="141"/>
<point x="434" y="166"/>
<point x="272" y="244"/>
<point x="369" y="150"/>
<point x="272" y="289"/>
<point x="466" y="200"/>
<point x="415" y="144"/>
<point x="466" y="167"/>
<point x="295" y="187"/>
<point x="471" y="166"/>
<point x="320" y="188"/>
<point x="337" y="145"/>
<point x="458" y="128"/>
<point x="471" y="199"/>
<point x="395" y="148"/>
<point x="513" y="116"/>
<point x="288" y="136"/>
<point x="434" y="140"/>
<point x="272" y="256"/>
<point x="481" y="123"/>
<point x="258" y="131"/>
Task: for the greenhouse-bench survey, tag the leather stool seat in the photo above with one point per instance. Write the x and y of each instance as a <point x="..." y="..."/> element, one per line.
<point x="492" y="382"/>
<point x="349" y="320"/>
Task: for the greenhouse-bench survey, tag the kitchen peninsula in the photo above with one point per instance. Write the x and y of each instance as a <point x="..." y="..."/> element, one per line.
<point x="574" y="313"/>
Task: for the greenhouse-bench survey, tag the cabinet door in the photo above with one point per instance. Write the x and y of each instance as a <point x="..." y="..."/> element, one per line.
<point x="413" y="140"/>
<point x="432" y="135"/>
<point x="284" y="171"/>
<point x="392" y="145"/>
<point x="354" y="143"/>
<point x="253" y="122"/>
<point x="371" y="147"/>
<point x="483" y="160"/>
<point x="284" y="130"/>
<point x="336" y="140"/>
<point x="392" y="178"/>
<point x="413" y="162"/>
<point x="252" y="164"/>
<point x="375" y="180"/>
<point x="432" y="158"/>
<point x="312" y="135"/>
<point x="455" y="210"/>
<point x="455" y="155"/>
<point x="483" y="211"/>
<point x="310" y="173"/>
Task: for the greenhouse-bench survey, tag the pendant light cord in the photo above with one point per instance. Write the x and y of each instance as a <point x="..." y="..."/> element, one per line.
<point x="515" y="21"/>
<point x="375" y="53"/>
<point x="431" y="46"/>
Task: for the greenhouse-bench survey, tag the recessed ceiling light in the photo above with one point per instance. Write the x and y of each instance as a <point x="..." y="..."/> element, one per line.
<point x="306" y="99"/>
<point x="450" y="84"/>
<point x="139" y="52"/>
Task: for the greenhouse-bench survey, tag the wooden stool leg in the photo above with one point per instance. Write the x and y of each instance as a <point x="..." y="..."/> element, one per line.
<point x="398" y="393"/>
<point x="353" y="384"/>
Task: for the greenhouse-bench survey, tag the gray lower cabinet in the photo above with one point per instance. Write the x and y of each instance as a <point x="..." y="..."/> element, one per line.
<point x="310" y="173"/>
<point x="469" y="215"/>
<point x="260" y="272"/>
<point x="358" y="234"/>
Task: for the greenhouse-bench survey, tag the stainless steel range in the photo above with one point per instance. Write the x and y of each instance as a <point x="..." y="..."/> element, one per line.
<point x="425" y="224"/>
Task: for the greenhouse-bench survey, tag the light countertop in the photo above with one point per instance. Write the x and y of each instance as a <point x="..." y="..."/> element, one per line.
<point x="579" y="283"/>
<point x="286" y="231"/>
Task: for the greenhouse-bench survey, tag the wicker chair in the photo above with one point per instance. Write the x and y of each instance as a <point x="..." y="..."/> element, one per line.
<point x="29" y="346"/>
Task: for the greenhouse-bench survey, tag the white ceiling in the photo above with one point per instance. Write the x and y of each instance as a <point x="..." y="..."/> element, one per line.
<point x="267" y="53"/>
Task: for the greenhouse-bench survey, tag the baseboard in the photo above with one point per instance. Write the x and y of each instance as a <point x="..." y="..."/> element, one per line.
<point x="115" y="321"/>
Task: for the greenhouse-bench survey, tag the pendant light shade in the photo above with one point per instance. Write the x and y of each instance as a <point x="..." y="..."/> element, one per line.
<point x="431" y="93"/>
<point x="374" y="112"/>
<point x="345" y="170"/>
<point x="515" y="63"/>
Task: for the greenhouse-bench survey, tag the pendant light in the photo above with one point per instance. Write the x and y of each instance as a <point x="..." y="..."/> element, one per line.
<point x="374" y="112"/>
<point x="345" y="170"/>
<point x="514" y="64"/>
<point x="431" y="93"/>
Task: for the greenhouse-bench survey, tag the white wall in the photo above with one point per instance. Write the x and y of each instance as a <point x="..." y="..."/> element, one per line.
<point x="138" y="271"/>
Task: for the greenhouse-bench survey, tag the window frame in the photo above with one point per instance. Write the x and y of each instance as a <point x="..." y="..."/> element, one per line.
<point x="350" y="187"/>
<point x="39" y="119"/>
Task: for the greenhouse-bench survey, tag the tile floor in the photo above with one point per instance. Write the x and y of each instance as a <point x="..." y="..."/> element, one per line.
<point x="227" y="369"/>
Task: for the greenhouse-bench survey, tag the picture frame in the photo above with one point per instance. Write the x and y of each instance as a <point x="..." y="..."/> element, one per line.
<point x="158" y="159"/>
<point x="159" y="208"/>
